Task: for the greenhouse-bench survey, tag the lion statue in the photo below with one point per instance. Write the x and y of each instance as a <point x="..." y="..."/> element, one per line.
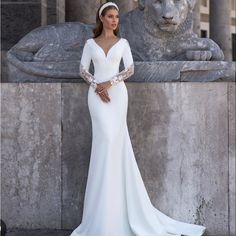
<point x="157" y="30"/>
<point x="163" y="30"/>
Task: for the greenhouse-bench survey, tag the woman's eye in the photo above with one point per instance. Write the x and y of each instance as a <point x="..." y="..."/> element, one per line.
<point x="110" y="16"/>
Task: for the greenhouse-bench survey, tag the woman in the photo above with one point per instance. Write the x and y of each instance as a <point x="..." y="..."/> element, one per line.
<point x="116" y="201"/>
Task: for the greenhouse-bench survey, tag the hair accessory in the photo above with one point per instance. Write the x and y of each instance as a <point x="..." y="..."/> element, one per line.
<point x="106" y="5"/>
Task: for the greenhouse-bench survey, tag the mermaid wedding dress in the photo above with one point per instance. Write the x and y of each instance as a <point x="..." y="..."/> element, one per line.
<point x="116" y="202"/>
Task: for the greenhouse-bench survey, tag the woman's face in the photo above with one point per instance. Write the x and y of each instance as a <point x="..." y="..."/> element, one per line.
<point x="111" y="19"/>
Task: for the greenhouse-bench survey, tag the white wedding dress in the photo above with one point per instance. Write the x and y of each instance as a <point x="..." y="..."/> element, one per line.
<point x="116" y="202"/>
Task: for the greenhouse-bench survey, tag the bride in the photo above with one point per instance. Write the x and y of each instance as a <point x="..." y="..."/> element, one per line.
<point x="116" y="201"/>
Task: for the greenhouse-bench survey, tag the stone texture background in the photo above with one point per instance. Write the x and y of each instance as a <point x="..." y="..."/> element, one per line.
<point x="17" y="19"/>
<point x="183" y="135"/>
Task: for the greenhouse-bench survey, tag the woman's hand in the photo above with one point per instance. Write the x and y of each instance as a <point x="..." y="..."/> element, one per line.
<point x="101" y="90"/>
<point x="103" y="86"/>
<point x="104" y="96"/>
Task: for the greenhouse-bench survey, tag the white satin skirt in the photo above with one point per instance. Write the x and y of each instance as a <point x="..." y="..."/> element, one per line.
<point x="116" y="201"/>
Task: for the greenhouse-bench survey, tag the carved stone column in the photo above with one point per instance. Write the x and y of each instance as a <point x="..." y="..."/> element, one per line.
<point x="126" y="5"/>
<point x="196" y="18"/>
<point x="60" y="11"/>
<point x="52" y="12"/>
<point x="43" y="12"/>
<point x="220" y="23"/>
<point x="83" y="11"/>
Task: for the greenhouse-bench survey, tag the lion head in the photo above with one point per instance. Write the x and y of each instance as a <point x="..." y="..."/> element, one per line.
<point x="167" y="15"/>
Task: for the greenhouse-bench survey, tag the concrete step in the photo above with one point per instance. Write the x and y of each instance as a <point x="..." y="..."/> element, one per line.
<point x="55" y="233"/>
<point x="39" y="233"/>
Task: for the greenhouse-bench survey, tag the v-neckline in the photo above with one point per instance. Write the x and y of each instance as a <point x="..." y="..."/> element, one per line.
<point x="106" y="55"/>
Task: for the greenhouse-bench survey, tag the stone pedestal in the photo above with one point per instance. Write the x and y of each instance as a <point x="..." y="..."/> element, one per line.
<point x="183" y="137"/>
<point x="161" y="71"/>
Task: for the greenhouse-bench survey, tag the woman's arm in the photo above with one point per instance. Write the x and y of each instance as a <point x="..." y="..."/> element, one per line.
<point x="84" y="66"/>
<point x="129" y="66"/>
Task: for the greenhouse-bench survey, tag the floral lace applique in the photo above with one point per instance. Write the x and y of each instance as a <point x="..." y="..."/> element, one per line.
<point x="87" y="76"/>
<point x="124" y="74"/>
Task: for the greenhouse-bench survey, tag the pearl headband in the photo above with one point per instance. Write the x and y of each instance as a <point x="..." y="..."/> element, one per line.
<point x="106" y="5"/>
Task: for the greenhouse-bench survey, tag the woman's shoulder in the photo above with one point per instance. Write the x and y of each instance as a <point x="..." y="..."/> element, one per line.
<point x="88" y="43"/>
<point x="124" y="39"/>
<point x="89" y="40"/>
<point x="126" y="42"/>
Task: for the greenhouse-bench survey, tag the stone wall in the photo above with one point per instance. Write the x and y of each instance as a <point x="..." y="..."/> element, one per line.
<point x="18" y="19"/>
<point x="183" y="135"/>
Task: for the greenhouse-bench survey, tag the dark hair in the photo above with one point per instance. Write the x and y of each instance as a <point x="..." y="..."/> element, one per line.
<point x="99" y="26"/>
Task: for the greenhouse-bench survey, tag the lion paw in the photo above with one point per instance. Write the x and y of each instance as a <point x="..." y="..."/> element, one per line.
<point x="198" y="55"/>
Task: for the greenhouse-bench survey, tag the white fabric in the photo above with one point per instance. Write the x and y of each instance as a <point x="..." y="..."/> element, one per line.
<point x="116" y="201"/>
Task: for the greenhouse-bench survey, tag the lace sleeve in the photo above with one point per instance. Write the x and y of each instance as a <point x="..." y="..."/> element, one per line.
<point x="128" y="63"/>
<point x="84" y="66"/>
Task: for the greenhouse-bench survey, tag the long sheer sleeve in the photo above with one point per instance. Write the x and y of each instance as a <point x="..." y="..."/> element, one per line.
<point x="128" y="63"/>
<point x="85" y="64"/>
